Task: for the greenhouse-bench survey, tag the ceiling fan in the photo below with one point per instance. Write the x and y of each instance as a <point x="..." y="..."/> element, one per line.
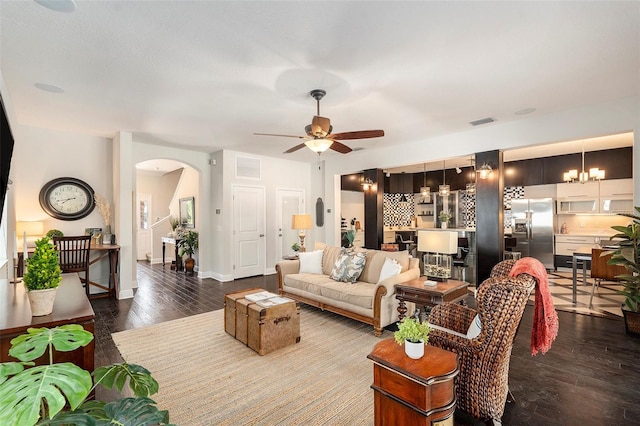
<point x="319" y="137"/>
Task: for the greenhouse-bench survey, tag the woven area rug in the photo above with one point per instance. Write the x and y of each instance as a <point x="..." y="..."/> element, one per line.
<point x="207" y="377"/>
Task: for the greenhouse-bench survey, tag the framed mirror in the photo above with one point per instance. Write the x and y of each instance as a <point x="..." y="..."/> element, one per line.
<point x="188" y="212"/>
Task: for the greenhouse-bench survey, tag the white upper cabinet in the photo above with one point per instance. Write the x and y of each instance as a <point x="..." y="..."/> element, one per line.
<point x="607" y="196"/>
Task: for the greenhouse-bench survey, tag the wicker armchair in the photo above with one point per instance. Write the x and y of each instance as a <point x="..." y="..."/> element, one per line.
<point x="482" y="385"/>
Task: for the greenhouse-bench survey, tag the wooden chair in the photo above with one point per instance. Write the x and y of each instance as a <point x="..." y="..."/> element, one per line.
<point x="482" y="385"/>
<point x="74" y="255"/>
<point x="602" y="271"/>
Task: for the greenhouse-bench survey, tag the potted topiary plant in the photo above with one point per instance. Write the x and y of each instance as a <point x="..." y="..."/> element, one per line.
<point x="42" y="277"/>
<point x="56" y="393"/>
<point x="188" y="245"/>
<point x="54" y="233"/>
<point x="628" y="256"/>
<point x="414" y="335"/>
<point x="174" y="222"/>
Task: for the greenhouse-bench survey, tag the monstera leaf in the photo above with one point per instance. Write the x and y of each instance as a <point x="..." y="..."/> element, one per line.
<point x="127" y="412"/>
<point x="35" y="343"/>
<point x="140" y="380"/>
<point x="22" y="395"/>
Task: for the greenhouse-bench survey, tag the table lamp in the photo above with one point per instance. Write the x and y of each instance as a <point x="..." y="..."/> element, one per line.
<point x="438" y="247"/>
<point x="301" y="222"/>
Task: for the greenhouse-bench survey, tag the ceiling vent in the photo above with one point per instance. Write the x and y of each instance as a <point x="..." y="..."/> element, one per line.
<point x="248" y="168"/>
<point x="482" y="121"/>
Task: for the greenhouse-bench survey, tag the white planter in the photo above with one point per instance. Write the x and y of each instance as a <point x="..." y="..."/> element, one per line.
<point x="41" y="301"/>
<point x="443" y="225"/>
<point x="414" y="350"/>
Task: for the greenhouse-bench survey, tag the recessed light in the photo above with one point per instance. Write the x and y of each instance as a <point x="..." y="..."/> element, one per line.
<point x="525" y="111"/>
<point x="49" y="88"/>
<point x="58" y="5"/>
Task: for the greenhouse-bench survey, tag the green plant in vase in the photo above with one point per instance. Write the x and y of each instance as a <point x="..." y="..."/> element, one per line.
<point x="414" y="335"/>
<point x="628" y="256"/>
<point x="42" y="277"/>
<point x="188" y="245"/>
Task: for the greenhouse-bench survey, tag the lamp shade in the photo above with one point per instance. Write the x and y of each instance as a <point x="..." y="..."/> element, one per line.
<point x="301" y="221"/>
<point x="438" y="241"/>
<point x="31" y="228"/>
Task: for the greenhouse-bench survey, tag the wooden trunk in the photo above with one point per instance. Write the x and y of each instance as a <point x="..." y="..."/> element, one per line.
<point x="262" y="329"/>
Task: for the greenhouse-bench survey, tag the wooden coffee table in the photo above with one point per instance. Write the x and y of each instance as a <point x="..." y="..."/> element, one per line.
<point x="450" y="291"/>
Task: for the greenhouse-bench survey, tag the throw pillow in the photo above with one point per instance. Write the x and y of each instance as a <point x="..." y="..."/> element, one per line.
<point x="391" y="268"/>
<point x="348" y="267"/>
<point x="475" y="328"/>
<point x="311" y="262"/>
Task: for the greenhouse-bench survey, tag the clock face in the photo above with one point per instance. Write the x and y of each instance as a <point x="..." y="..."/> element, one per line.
<point x="67" y="198"/>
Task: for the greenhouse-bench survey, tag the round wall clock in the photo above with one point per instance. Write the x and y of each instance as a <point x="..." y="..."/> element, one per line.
<point x="67" y="198"/>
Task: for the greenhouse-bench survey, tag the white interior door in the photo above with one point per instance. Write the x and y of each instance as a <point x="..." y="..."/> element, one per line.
<point x="249" y="231"/>
<point x="143" y="214"/>
<point x="288" y="203"/>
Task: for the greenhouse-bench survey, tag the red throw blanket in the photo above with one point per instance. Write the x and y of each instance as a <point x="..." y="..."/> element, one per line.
<point x="545" y="317"/>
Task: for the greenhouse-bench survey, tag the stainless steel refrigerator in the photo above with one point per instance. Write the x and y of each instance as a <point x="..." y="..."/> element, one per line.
<point x="533" y="226"/>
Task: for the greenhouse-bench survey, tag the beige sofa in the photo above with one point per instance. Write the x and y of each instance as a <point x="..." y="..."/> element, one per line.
<point x="366" y="300"/>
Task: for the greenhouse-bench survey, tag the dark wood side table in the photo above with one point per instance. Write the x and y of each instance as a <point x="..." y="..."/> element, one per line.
<point x="450" y="291"/>
<point x="71" y="306"/>
<point x="413" y="392"/>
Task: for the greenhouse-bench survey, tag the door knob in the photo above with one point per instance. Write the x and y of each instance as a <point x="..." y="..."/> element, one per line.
<point x="261" y="235"/>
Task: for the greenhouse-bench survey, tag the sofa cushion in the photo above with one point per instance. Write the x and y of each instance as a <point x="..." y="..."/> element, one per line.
<point x="359" y="293"/>
<point x="311" y="283"/>
<point x="310" y="262"/>
<point x="375" y="262"/>
<point x="348" y="267"/>
<point x="329" y="256"/>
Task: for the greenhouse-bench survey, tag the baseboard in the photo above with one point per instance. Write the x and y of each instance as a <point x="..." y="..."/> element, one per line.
<point x="125" y="294"/>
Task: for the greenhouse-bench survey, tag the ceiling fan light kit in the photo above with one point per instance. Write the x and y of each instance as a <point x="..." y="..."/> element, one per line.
<point x="319" y="133"/>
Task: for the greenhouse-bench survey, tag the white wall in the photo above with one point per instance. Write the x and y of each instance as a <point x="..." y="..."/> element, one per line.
<point x="275" y="174"/>
<point x="41" y="155"/>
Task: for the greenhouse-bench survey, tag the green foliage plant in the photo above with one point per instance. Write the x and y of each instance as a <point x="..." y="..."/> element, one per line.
<point x="188" y="243"/>
<point x="627" y="255"/>
<point x="174" y="222"/>
<point x="56" y="393"/>
<point x="413" y="330"/>
<point x="444" y="216"/>
<point x="295" y="247"/>
<point x="54" y="233"/>
<point x="43" y="268"/>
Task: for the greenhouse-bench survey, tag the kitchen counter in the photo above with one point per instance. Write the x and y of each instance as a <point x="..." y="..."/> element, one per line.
<point x="587" y="233"/>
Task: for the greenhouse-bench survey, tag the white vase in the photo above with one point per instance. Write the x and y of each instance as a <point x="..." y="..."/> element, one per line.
<point x="443" y="225"/>
<point x="41" y="301"/>
<point x="414" y="350"/>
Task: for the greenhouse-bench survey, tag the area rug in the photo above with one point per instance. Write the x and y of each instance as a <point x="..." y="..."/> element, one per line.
<point x="207" y="377"/>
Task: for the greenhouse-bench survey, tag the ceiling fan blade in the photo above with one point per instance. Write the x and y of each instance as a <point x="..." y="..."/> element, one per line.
<point x="320" y="126"/>
<point x="295" y="148"/>
<point x="363" y="134"/>
<point x="282" y="136"/>
<point x="340" y="147"/>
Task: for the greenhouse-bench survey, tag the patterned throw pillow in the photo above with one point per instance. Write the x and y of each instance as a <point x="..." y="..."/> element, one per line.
<point x="349" y="266"/>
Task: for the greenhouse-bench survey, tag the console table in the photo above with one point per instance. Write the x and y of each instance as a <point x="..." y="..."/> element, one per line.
<point x="71" y="307"/>
<point x="174" y="241"/>
<point x="413" y="392"/>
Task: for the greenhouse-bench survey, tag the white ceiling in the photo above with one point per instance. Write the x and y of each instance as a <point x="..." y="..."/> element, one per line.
<point x="207" y="74"/>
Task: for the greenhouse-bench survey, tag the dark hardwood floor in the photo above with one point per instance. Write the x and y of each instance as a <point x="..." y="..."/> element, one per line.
<point x="589" y="377"/>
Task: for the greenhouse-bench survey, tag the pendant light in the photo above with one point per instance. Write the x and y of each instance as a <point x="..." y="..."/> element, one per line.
<point x="444" y="189"/>
<point x="425" y="191"/>
<point x="403" y="197"/>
